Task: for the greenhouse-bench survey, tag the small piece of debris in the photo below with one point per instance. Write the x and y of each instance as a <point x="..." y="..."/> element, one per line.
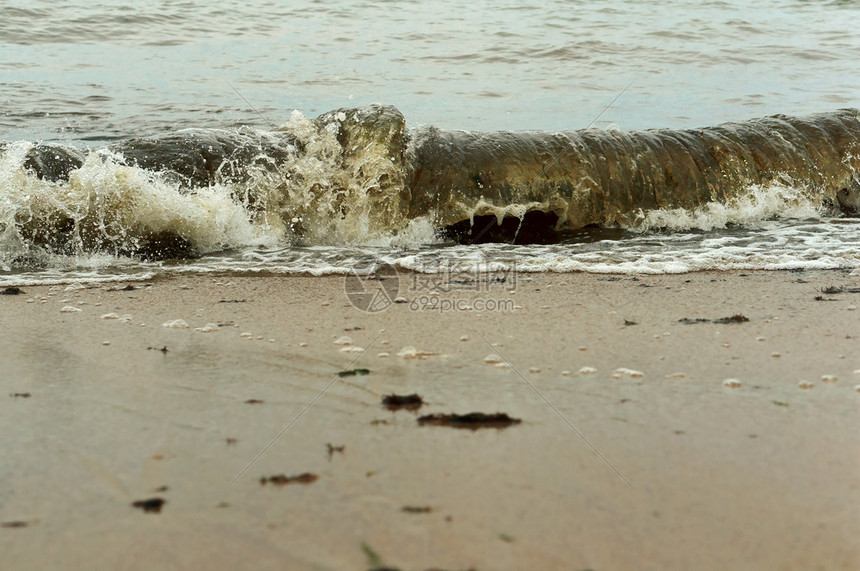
<point x="587" y="371"/>
<point x="628" y="323"/>
<point x="410" y="352"/>
<point x="624" y="371"/>
<point x="254" y="401"/>
<point x="397" y="402"/>
<point x="492" y="359"/>
<point x="353" y="372"/>
<point x="152" y="505"/>
<point x="231" y="301"/>
<point x="14" y="524"/>
<point x="162" y="349"/>
<point x="20" y="395"/>
<point x="231" y="441"/>
<point x="805" y="385"/>
<point x="282" y="480"/>
<point x="378" y="421"/>
<point x="11" y="291"/>
<point x="472" y="420"/>
<point x="332" y="448"/>
<point x="129" y="287"/>
<point x="70" y="309"/>
<point x="506" y="538"/>
<point x="208" y="328"/>
<point x="175" y="324"/>
<point x="779" y="403"/>
<point x="416" y="509"/>
<point x="162" y="489"/>
<point x="732" y="383"/>
<point x="829" y="378"/>
<point x="345" y="340"/>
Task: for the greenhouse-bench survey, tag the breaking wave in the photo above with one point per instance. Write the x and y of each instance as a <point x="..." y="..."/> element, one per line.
<point x="359" y="178"/>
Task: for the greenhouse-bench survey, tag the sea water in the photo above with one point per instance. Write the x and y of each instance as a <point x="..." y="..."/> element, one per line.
<point x="85" y="76"/>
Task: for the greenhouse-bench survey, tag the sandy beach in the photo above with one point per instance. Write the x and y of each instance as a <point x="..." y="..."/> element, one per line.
<point x="632" y="452"/>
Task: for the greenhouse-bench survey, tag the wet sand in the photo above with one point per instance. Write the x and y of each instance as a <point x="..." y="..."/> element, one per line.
<point x="664" y="467"/>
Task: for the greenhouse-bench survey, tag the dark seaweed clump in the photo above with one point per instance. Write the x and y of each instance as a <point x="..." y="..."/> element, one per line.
<point x="283" y="480"/>
<point x="472" y="421"/>
<point x="397" y="402"/>
<point x="353" y="372"/>
<point x="736" y="318"/>
<point x="152" y="505"/>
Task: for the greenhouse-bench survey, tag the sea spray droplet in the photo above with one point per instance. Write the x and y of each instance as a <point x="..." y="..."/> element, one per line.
<point x="175" y="324"/>
<point x="587" y="371"/>
<point x="629" y="372"/>
<point x="829" y="378"/>
<point x="732" y="383"/>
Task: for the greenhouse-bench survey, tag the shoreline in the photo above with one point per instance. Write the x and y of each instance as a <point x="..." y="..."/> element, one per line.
<point x="757" y="476"/>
